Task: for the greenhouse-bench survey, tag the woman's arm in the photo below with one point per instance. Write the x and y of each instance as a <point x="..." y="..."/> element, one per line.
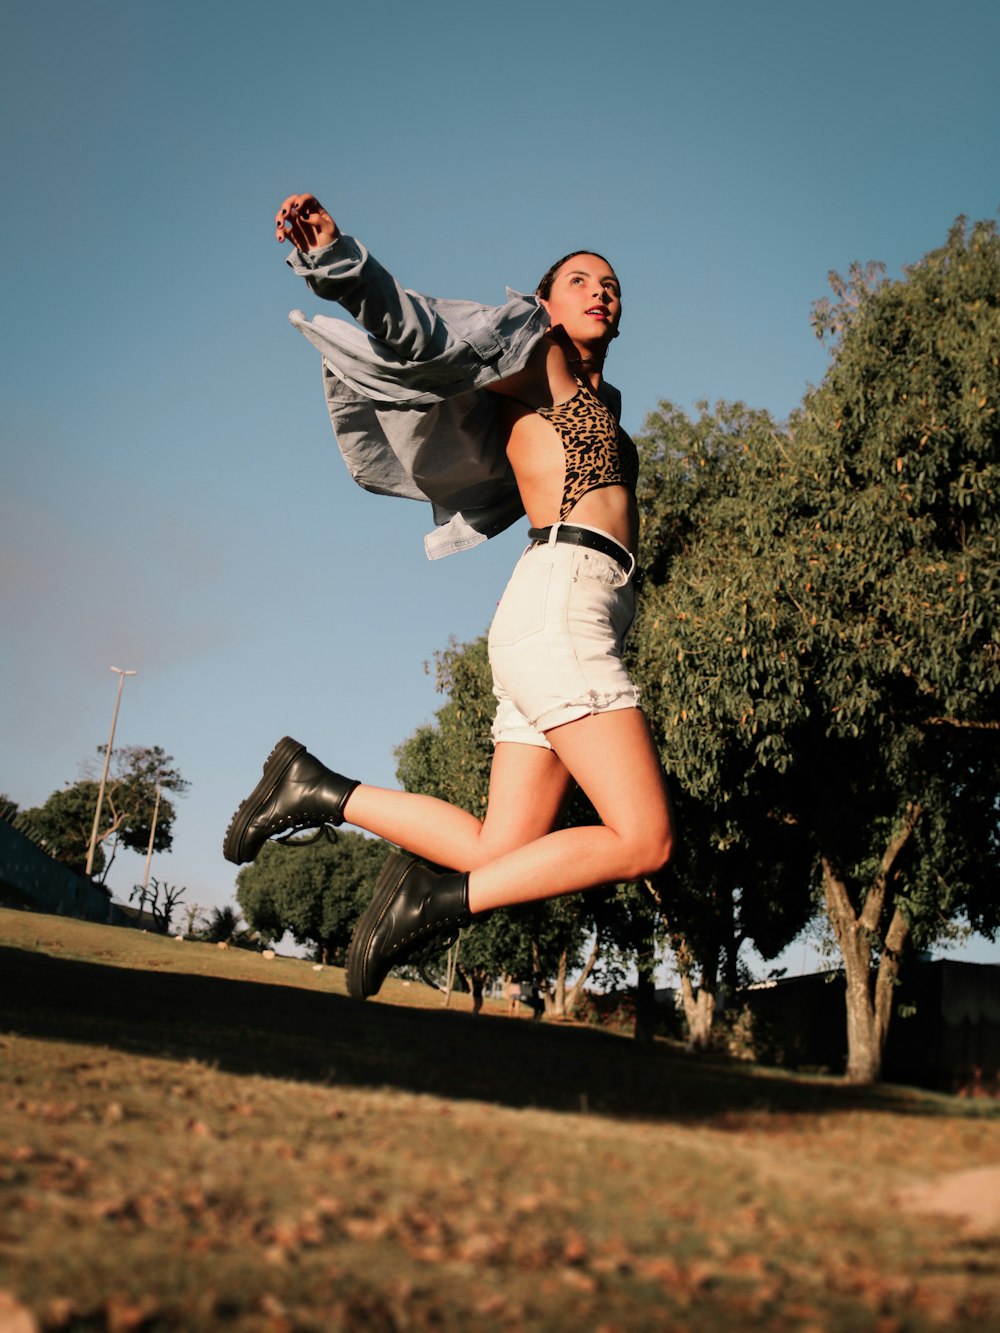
<point x="338" y="268"/>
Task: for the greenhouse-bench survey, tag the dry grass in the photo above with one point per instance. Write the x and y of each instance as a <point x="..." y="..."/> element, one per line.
<point x="199" y="1139"/>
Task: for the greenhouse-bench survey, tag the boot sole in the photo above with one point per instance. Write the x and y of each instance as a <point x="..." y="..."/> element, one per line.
<point x="390" y="877"/>
<point x="276" y="765"/>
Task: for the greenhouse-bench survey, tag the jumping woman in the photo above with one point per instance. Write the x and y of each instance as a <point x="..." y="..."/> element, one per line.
<point x="526" y="379"/>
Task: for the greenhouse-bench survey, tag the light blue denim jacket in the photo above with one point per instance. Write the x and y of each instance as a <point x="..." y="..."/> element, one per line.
<point x="405" y="390"/>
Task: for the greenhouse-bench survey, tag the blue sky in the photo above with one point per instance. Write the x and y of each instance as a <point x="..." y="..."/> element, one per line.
<point x="172" y="500"/>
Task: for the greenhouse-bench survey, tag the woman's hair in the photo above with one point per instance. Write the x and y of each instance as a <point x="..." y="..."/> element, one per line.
<point x="544" y="288"/>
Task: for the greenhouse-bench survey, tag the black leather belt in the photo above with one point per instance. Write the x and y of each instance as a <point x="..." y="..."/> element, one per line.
<point x="594" y="541"/>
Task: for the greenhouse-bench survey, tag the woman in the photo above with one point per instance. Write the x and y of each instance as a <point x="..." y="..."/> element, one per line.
<point x="567" y="711"/>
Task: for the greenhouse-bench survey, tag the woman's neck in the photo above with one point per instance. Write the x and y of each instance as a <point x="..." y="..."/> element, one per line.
<point x="588" y="364"/>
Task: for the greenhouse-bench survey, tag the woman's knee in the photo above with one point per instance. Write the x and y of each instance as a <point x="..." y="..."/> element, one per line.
<point x="649" y="847"/>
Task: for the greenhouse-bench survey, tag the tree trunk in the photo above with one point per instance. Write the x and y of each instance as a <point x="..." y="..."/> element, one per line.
<point x="540" y="982"/>
<point x="555" y="1003"/>
<point x="888" y="972"/>
<point x="864" y="1052"/>
<point x="869" y="997"/>
<point x="576" y="990"/>
<point x="644" y="1029"/>
<point x="645" y="989"/>
<point x="699" y="1011"/>
<point x="451" y="967"/>
<point x="699" y="1007"/>
<point x="114" y="849"/>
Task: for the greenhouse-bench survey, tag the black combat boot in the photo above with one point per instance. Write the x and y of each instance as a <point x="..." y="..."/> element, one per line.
<point x="296" y="792"/>
<point x="412" y="911"/>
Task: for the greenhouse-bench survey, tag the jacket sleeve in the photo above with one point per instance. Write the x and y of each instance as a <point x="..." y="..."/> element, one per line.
<point x="405" y="321"/>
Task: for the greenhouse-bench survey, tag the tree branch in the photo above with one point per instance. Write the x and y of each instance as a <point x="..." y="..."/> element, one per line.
<point x="888" y="970"/>
<point x="964" y="723"/>
<point x="576" y="990"/>
<point x="875" y="898"/>
<point x="838" y="903"/>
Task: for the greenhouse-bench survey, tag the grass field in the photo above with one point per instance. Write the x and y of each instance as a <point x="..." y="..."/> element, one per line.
<point x="193" y="1138"/>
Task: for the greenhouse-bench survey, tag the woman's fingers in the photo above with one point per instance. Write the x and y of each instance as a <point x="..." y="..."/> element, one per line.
<point x="304" y="221"/>
<point x="282" y="220"/>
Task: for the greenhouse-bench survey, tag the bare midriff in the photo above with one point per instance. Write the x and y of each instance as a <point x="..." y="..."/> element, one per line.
<point x="537" y="456"/>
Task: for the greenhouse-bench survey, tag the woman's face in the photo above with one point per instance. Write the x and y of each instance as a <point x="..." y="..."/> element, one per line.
<point x="585" y="299"/>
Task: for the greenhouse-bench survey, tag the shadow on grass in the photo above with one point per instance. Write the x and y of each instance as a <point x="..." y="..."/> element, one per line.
<point x="285" y="1032"/>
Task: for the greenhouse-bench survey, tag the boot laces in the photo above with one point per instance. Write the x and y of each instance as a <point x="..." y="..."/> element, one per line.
<point x="316" y="834"/>
<point x="441" y="938"/>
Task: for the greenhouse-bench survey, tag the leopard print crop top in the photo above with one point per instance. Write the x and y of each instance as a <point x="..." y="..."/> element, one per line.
<point x="598" y="452"/>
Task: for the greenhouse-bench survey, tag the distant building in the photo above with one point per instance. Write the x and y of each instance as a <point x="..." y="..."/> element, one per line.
<point x="944" y="1034"/>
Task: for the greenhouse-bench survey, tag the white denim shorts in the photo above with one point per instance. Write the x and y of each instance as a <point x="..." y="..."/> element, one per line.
<point x="556" y="641"/>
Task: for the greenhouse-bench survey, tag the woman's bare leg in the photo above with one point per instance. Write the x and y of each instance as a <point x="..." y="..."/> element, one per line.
<point x="612" y="757"/>
<point x="513" y="854"/>
<point x="528" y="787"/>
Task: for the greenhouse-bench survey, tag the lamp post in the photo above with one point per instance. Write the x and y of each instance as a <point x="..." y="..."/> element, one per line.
<point x="104" y="775"/>
<point x="152" y="835"/>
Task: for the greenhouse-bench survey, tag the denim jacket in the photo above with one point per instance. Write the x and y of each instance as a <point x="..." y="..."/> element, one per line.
<point x="405" y="390"/>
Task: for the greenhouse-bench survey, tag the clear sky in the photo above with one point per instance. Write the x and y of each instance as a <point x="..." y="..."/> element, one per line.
<point x="172" y="501"/>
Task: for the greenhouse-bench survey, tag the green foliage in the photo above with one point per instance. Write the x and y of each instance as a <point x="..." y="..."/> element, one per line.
<point x="64" y="822"/>
<point x="451" y="758"/>
<point x="902" y="442"/>
<point x="223" y="926"/>
<point x="836" y="623"/>
<point x="316" y="891"/>
<point x="823" y="646"/>
<point x="740" y="867"/>
<point x="63" y="825"/>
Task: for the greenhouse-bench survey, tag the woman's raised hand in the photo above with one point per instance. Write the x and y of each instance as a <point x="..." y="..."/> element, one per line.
<point x="304" y="221"/>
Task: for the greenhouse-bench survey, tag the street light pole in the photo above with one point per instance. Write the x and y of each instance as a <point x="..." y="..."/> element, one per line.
<point x="104" y="775"/>
<point x="152" y="835"/>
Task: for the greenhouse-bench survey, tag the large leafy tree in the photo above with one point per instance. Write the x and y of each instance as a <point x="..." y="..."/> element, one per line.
<point x="741" y="868"/>
<point x="316" y="891"/>
<point x="902" y="437"/>
<point x="64" y="822"/>
<point x="828" y="640"/>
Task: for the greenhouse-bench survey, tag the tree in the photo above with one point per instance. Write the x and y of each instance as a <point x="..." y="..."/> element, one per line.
<point x="316" y="890"/>
<point x="829" y="632"/>
<point x="65" y="821"/>
<point x="903" y="435"/>
<point x="194" y="918"/>
<point x="740" y="868"/>
<point x="159" y="900"/>
<point x="224" y="926"/>
<point x="63" y="825"/>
